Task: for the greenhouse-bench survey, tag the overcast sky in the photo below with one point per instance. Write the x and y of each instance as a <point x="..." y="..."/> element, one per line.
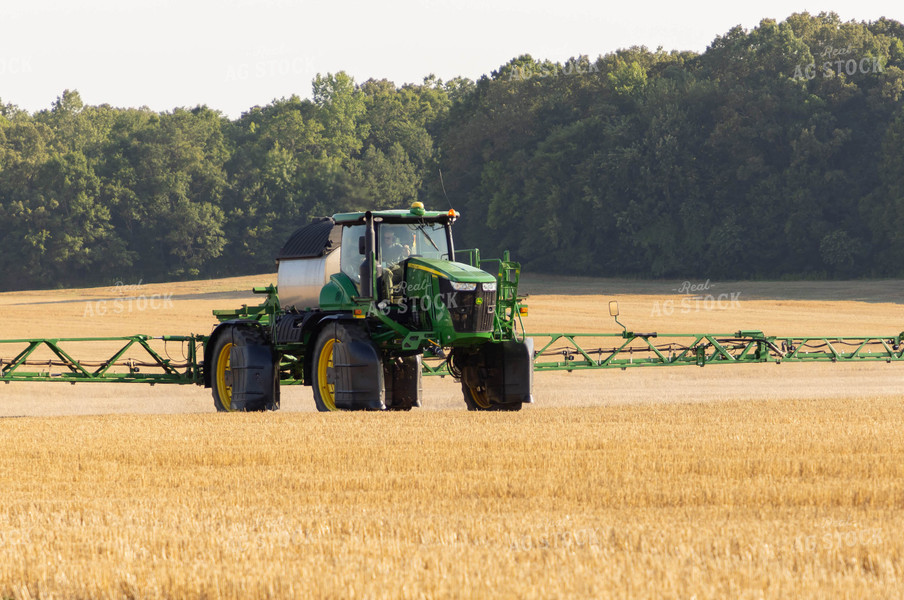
<point x="235" y="54"/>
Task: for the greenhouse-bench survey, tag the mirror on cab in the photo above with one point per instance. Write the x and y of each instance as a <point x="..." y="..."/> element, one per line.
<point x="613" y="308"/>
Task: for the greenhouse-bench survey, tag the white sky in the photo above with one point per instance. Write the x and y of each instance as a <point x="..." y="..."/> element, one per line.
<point x="235" y="54"/>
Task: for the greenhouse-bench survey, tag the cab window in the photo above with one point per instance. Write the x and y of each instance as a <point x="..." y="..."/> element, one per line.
<point x="350" y="260"/>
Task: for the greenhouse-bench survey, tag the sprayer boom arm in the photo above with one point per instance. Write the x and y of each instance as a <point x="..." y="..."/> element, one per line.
<point x="571" y="351"/>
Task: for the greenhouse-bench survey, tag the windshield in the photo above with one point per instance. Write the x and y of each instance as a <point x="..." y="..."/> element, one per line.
<point x="402" y="240"/>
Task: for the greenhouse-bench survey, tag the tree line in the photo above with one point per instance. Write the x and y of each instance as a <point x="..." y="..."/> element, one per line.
<point x="776" y="153"/>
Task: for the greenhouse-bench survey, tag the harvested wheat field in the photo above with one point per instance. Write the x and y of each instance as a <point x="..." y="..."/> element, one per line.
<point x="748" y="481"/>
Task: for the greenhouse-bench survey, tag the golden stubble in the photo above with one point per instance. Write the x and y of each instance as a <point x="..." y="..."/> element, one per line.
<point x="754" y="481"/>
<point x="753" y="498"/>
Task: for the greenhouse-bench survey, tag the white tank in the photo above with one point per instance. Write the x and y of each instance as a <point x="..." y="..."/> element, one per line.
<point x="299" y="280"/>
<point x="306" y="263"/>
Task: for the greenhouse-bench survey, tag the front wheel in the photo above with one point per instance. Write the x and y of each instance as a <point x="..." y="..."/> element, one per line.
<point x="347" y="369"/>
<point x="324" y="375"/>
<point x="476" y="399"/>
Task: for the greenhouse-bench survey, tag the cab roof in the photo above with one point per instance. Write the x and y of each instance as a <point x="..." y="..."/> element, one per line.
<point x="416" y="214"/>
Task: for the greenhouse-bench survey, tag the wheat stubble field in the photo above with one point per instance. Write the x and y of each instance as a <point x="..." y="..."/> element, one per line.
<point x="752" y="481"/>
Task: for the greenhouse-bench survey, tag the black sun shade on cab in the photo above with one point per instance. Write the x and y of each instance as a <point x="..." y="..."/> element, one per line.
<point x="314" y="240"/>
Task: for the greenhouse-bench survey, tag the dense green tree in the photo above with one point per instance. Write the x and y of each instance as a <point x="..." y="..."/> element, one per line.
<point x="775" y="153"/>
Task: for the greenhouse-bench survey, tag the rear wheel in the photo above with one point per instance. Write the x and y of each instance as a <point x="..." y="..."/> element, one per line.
<point x="256" y="356"/>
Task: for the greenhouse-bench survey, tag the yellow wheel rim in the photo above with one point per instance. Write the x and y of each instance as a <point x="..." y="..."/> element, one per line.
<point x="325" y="361"/>
<point x="480" y="398"/>
<point x="224" y="390"/>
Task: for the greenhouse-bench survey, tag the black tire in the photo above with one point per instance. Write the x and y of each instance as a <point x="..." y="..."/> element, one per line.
<point x="403" y="381"/>
<point x="474" y="401"/>
<point x="365" y="377"/>
<point x="248" y="339"/>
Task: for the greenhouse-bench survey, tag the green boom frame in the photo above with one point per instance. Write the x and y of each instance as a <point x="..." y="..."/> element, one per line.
<point x="43" y="359"/>
<point x="564" y="351"/>
<point x="553" y="352"/>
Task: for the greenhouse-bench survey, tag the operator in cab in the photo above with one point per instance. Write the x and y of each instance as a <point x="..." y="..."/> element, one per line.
<point x="395" y="244"/>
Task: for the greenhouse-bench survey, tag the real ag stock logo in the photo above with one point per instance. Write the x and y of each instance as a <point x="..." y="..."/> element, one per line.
<point x="525" y="72"/>
<point x="695" y="301"/>
<point x="838" y="61"/>
<point x="129" y="300"/>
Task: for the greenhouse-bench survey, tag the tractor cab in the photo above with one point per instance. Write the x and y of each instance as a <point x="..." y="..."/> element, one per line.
<point x="394" y="242"/>
<point x="377" y="247"/>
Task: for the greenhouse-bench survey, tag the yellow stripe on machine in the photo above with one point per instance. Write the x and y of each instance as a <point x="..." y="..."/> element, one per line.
<point x="423" y="268"/>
